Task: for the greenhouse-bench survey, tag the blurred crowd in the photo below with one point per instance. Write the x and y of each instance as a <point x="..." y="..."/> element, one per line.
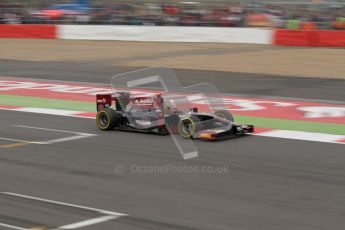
<point x="292" y="16"/>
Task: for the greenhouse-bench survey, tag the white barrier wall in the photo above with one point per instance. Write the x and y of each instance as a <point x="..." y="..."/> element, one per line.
<point x="166" y="34"/>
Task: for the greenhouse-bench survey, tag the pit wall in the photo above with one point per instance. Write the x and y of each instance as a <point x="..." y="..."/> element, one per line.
<point x="177" y="34"/>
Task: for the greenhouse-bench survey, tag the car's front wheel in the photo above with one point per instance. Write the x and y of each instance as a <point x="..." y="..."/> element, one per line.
<point x="188" y="126"/>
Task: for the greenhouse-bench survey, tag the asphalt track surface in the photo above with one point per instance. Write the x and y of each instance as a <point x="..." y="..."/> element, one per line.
<point x="263" y="183"/>
<point x="226" y="82"/>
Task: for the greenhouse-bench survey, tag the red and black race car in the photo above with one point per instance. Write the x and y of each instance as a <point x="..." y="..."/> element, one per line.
<point x="125" y="111"/>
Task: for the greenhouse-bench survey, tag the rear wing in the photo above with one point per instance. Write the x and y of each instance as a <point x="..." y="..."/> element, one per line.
<point x="103" y="101"/>
<point x="120" y="100"/>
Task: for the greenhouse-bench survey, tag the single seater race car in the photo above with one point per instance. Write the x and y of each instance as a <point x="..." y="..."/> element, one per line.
<point x="152" y="114"/>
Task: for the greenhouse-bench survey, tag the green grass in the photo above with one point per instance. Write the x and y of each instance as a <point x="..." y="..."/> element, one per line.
<point x="315" y="127"/>
<point x="46" y="103"/>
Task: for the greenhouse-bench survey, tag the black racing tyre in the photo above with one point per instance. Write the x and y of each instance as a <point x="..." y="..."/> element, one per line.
<point x="188" y="126"/>
<point x="163" y="131"/>
<point x="225" y="114"/>
<point x="107" y="119"/>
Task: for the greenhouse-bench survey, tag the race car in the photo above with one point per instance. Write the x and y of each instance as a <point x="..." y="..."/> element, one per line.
<point x="150" y="113"/>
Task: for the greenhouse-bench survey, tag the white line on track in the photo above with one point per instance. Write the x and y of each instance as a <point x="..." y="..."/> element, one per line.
<point x="85" y="223"/>
<point x="106" y="215"/>
<point x="77" y="135"/>
<point x="47" y="111"/>
<point x="306" y="136"/>
<point x="64" y="139"/>
<point x="11" y="226"/>
<point x="64" y="204"/>
<point x="54" y="130"/>
<point x="23" y="141"/>
<point x="57" y="112"/>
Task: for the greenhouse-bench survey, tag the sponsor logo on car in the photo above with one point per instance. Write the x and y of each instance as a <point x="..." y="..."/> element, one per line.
<point x="143" y="101"/>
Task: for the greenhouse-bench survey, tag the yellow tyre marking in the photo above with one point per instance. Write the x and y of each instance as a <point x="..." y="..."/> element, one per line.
<point x="97" y="119"/>
<point x="221" y="115"/>
<point x="193" y="127"/>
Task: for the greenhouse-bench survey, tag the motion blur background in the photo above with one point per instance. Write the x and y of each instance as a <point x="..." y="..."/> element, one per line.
<point x="279" y="65"/>
<point x="292" y="14"/>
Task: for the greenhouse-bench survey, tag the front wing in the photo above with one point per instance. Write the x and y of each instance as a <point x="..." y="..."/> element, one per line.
<point x="220" y="134"/>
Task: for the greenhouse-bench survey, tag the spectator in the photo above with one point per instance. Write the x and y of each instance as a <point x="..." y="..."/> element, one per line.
<point x="189" y="14"/>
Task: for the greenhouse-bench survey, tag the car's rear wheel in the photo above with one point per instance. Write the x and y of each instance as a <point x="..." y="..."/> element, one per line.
<point x="225" y="114"/>
<point x="188" y="126"/>
<point x="107" y="119"/>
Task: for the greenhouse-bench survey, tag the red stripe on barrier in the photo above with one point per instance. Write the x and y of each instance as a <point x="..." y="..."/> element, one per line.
<point x="309" y="38"/>
<point x="28" y="31"/>
<point x="291" y="37"/>
<point x="331" y="38"/>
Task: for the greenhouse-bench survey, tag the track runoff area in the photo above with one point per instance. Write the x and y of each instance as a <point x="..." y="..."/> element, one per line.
<point x="278" y="118"/>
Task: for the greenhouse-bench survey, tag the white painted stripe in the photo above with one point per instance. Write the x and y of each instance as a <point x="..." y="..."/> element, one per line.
<point x="47" y="111"/>
<point x="64" y="139"/>
<point x="53" y="130"/>
<point x="77" y="136"/>
<point x="11" y="226"/>
<point x="10" y="109"/>
<point x="64" y="204"/>
<point x="82" y="116"/>
<point x="74" y="114"/>
<point x="23" y="141"/>
<point x="89" y="222"/>
<point x="300" y="135"/>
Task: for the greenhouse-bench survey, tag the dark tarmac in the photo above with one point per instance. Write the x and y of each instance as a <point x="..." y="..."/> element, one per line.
<point x="261" y="183"/>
